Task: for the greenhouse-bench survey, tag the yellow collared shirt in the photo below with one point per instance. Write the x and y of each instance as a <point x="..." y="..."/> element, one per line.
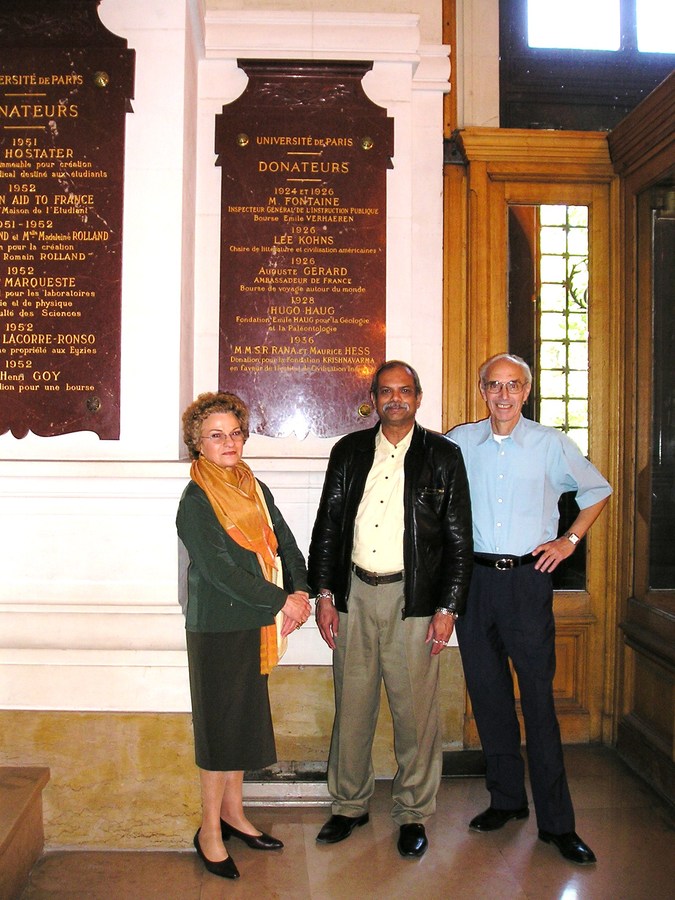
<point x="378" y="529"/>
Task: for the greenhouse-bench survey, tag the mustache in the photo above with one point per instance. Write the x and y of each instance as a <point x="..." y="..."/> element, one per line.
<point x="396" y="404"/>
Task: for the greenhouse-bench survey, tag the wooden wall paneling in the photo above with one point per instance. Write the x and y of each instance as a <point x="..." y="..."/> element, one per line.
<point x="487" y="268"/>
<point x="456" y="375"/>
<point x="610" y="380"/>
<point x="450" y="38"/>
<point x="643" y="153"/>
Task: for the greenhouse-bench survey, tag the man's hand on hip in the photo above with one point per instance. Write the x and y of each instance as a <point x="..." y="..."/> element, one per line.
<point x="552" y="554"/>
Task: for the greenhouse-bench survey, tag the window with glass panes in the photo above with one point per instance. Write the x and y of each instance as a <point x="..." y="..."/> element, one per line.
<point x="562" y="340"/>
<point x="548" y="326"/>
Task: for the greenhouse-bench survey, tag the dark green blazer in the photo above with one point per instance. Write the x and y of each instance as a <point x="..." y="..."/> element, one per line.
<point x="226" y="589"/>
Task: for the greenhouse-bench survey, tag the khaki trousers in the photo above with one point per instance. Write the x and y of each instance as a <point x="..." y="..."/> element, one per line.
<point x="375" y="643"/>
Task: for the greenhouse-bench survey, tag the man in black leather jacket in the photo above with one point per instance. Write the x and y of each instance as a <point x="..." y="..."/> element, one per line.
<point x="390" y="558"/>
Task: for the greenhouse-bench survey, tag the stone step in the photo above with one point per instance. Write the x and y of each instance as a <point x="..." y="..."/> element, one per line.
<point x="21" y="831"/>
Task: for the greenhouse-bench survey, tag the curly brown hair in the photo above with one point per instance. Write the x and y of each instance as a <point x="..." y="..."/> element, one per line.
<point x="201" y="408"/>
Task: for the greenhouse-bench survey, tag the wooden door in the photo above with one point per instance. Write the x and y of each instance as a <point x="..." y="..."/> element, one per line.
<point x="506" y="170"/>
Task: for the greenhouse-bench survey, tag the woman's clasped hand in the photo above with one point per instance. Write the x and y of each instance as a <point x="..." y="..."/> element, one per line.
<point x="296" y="611"/>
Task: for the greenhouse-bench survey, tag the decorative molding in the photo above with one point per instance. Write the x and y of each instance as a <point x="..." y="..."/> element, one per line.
<point x="311" y="35"/>
<point x="538" y="151"/>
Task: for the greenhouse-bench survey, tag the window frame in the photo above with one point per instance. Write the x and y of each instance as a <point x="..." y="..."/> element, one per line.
<point x="572" y="89"/>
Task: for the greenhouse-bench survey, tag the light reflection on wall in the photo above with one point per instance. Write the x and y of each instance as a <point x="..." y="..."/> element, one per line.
<point x="296" y="424"/>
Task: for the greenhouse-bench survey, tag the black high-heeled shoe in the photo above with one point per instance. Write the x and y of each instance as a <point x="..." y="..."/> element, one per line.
<point x="255" y="841"/>
<point x="225" y="868"/>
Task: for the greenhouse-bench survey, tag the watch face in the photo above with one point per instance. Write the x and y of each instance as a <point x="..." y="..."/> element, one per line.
<point x="573" y="538"/>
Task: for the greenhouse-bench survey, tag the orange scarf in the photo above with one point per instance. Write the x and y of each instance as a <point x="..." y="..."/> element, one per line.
<point x="233" y="494"/>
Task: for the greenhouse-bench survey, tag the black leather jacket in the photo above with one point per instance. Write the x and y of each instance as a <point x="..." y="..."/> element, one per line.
<point x="437" y="542"/>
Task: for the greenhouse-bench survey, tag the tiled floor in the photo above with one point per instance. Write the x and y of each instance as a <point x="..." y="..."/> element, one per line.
<point x="631" y="831"/>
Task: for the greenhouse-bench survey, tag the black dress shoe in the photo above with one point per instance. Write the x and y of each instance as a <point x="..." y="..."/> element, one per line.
<point x="337" y="828"/>
<point x="570" y="845"/>
<point x="225" y="868"/>
<point x="412" y="840"/>
<point x="255" y="841"/>
<point x="492" y="818"/>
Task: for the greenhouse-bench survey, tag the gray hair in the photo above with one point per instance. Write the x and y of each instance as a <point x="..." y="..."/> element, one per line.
<point x="511" y="357"/>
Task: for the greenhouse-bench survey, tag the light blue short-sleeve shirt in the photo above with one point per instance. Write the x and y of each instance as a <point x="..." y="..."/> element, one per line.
<point x="516" y="483"/>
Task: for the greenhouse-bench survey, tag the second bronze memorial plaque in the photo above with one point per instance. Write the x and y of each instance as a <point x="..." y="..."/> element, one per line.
<point x="304" y="154"/>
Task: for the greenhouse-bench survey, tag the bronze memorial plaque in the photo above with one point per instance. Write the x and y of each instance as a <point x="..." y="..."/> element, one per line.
<point x="65" y="89"/>
<point x="304" y="155"/>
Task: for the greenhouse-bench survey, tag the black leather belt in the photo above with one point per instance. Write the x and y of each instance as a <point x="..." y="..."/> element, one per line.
<point x="503" y="563"/>
<point x="373" y="579"/>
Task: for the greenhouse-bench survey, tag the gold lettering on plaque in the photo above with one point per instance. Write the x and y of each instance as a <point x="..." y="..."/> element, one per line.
<point x="303" y="254"/>
<point x="61" y="186"/>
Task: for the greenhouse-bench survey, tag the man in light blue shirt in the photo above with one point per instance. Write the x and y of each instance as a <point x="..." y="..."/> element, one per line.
<point x="517" y="471"/>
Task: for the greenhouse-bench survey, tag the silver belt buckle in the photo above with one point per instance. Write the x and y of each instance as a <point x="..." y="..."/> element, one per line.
<point x="504" y="564"/>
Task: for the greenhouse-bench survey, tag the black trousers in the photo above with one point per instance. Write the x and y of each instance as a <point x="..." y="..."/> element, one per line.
<point x="510" y="615"/>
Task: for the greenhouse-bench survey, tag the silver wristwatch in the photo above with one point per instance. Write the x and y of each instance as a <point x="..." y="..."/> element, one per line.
<point x="324" y="594"/>
<point x="447" y="612"/>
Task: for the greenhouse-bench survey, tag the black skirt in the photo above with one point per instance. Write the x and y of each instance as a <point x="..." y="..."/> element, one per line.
<point x="230" y="704"/>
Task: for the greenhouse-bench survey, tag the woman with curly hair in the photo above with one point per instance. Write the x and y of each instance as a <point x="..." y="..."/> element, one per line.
<point x="236" y="540"/>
